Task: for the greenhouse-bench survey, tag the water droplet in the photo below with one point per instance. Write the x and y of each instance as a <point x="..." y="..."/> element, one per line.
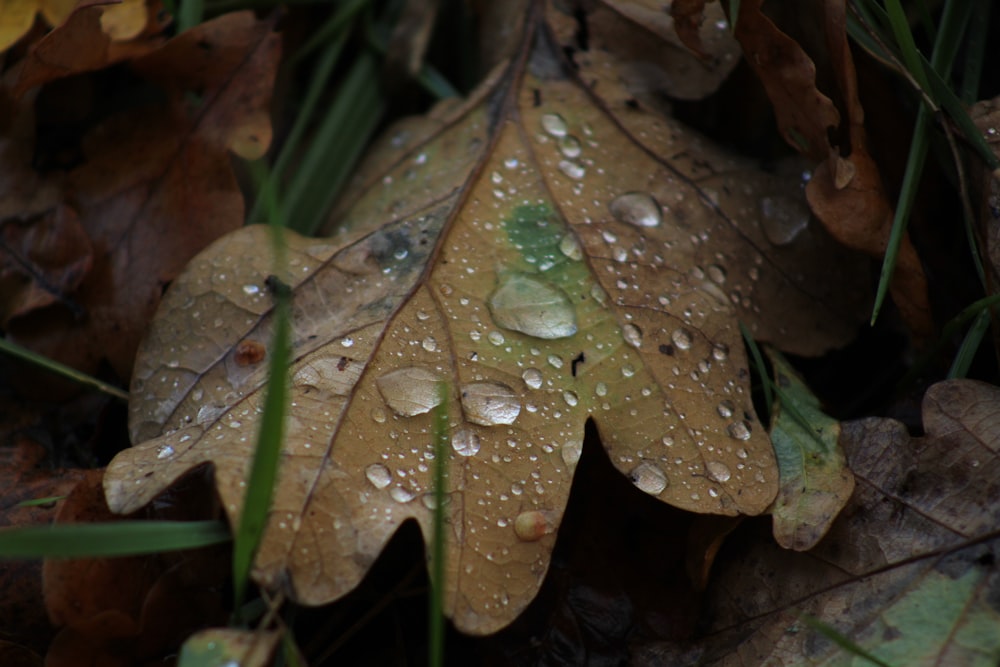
<point x="554" y="124"/>
<point x="601" y="389"/>
<point x="409" y="391"/>
<point x="532" y="377"/>
<point x="716" y="274"/>
<point x="164" y="452"/>
<point x="628" y="371"/>
<point x="429" y="344"/>
<point x="742" y="453"/>
<point x="495" y="337"/>
<point x="423" y="315"/>
<point x="490" y="403"/>
<point x="571" y="398"/>
<point x="571" y="452"/>
<point x="525" y="304"/>
<point x="570" y="247"/>
<point x="681" y="338"/>
<point x="465" y="442"/>
<point x="667" y="441"/>
<point x="739" y="430"/>
<point x="649" y="478"/>
<point x="251" y="290"/>
<point x="720" y="351"/>
<point x="725" y="409"/>
<point x="378" y="415"/>
<point x="378" y="475"/>
<point x="347" y="342"/>
<point x="632" y="335"/>
<point x="401" y="494"/>
<point x="572" y="169"/>
<point x="718" y="471"/>
<point x="636" y="208"/>
<point x="401" y="253"/>
<point x="534" y="525"/>
<point x="783" y="218"/>
<point x="570" y="147"/>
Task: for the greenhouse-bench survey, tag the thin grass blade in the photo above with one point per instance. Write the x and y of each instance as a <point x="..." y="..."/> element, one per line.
<point x="970" y="345"/>
<point x="438" y="552"/>
<point x="67" y="372"/>
<point x="119" y="538"/>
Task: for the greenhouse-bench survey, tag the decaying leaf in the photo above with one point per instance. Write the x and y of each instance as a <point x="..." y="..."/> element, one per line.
<point x="121" y="20"/>
<point x="551" y="250"/>
<point x="152" y="184"/>
<point x="908" y="571"/>
<point x="815" y="480"/>
<point x="224" y="646"/>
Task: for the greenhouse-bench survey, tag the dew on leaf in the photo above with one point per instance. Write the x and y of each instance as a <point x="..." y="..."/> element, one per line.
<point x="570" y="247"/>
<point x="718" y="471"/>
<point x="681" y="338"/>
<point x="571" y="398"/>
<point x="725" y="409"/>
<point x="164" y="452"/>
<point x="490" y="403"/>
<point x="571" y="452"/>
<point x="739" y="430"/>
<point x="409" y="391"/>
<point x="570" y="147"/>
<point x="720" y="351"/>
<point x="555" y="361"/>
<point x="401" y="494"/>
<point x="632" y="335"/>
<point x="554" y="124"/>
<point x="649" y="478"/>
<point x="532" y="377"/>
<point x="378" y="475"/>
<point x="429" y="344"/>
<point x="533" y="525"/>
<point x="536" y="308"/>
<point x="495" y="337"/>
<point x="465" y="442"/>
<point x="636" y="208"/>
<point x="572" y="169"/>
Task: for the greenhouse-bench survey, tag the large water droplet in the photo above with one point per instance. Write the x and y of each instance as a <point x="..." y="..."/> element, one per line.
<point x="636" y="208"/>
<point x="632" y="335"/>
<point x="720" y="351"/>
<point x="570" y="247"/>
<point x="490" y="403"/>
<point x="649" y="478"/>
<point x="572" y="451"/>
<point x="682" y="339"/>
<point x="532" y="377"/>
<point x="725" y="409"/>
<point x="401" y="494"/>
<point x="739" y="430"/>
<point x="574" y="170"/>
<point x="718" y="471"/>
<point x="378" y="475"/>
<point x="465" y="442"/>
<point x="554" y="124"/>
<point x="571" y="398"/>
<point x="429" y="344"/>
<point x="409" y="391"/>
<point x="522" y="303"/>
<point x="533" y="525"/>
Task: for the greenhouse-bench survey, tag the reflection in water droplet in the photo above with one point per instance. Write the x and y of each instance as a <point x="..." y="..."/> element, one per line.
<point x="572" y="169"/>
<point x="725" y="409"/>
<point x="570" y="147"/>
<point x="632" y="335"/>
<point x="636" y="208"/>
<point x="720" y="351"/>
<point x="554" y="124"/>
<point x="533" y="525"/>
<point x="682" y="339"/>
<point x="555" y="361"/>
<point x="718" y="471"/>
<point x="649" y="478"/>
<point x="522" y="303"/>
<point x="378" y="475"/>
<point x="495" y="337"/>
<point x="409" y="391"/>
<point x="783" y="218"/>
<point x="164" y="452"/>
<point x="571" y="398"/>
<point x="401" y="495"/>
<point x="490" y="403"/>
<point x="532" y="377"/>
<point x="429" y="344"/>
<point x="739" y="430"/>
<point x="570" y="247"/>
<point x="466" y="442"/>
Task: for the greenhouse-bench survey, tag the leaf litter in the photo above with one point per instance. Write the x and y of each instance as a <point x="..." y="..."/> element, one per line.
<point x="620" y="248"/>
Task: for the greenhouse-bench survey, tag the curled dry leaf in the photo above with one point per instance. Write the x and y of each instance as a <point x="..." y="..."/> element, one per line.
<point x="552" y="256"/>
<point x="154" y="186"/>
<point x="908" y="571"/>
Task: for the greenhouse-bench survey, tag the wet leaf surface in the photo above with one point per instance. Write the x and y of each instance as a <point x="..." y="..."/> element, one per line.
<point x="510" y="254"/>
<point x="908" y="570"/>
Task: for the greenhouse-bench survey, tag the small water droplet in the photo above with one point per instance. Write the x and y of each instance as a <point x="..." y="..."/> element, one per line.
<point x="490" y="403"/>
<point x="742" y="453"/>
<point x="716" y="274"/>
<point x="739" y="430"/>
<point x="347" y="341"/>
<point x="164" y="452"/>
<point x="401" y="253"/>
<point x="571" y="398"/>
<point x="725" y="409"/>
<point x="570" y="247"/>
<point x="251" y="290"/>
<point x="720" y="351"/>
<point x="649" y="478"/>
<point x="495" y="337"/>
<point x="682" y="339"/>
<point x="378" y="415"/>
<point x="525" y="304"/>
<point x="429" y="344"/>
<point x="718" y="471"/>
<point x="554" y="124"/>
<point x="570" y="147"/>
<point x="628" y="371"/>
<point x="466" y="442"/>
<point x="632" y="335"/>
<point x="667" y="441"/>
<point x="401" y="494"/>
<point x="555" y="361"/>
<point x="532" y="377"/>
<point x="572" y="169"/>
<point x="601" y="389"/>
<point x="636" y="208"/>
<point x="533" y="525"/>
<point x="378" y="475"/>
<point x="409" y="391"/>
<point x="423" y="315"/>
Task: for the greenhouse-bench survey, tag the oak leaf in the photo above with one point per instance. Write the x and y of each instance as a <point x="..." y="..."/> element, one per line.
<point x="554" y="252"/>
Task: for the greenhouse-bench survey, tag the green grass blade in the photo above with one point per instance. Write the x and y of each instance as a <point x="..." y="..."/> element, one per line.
<point x="842" y="641"/>
<point x="438" y="553"/>
<point x="335" y="28"/>
<point x="65" y="371"/>
<point x="39" y="502"/>
<point x="267" y="455"/>
<point x="118" y="538"/>
<point x="190" y="13"/>
<point x="975" y="49"/>
<point x="758" y="360"/>
<point x="336" y="147"/>
<point x="900" y="27"/>
<point x="970" y="345"/>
